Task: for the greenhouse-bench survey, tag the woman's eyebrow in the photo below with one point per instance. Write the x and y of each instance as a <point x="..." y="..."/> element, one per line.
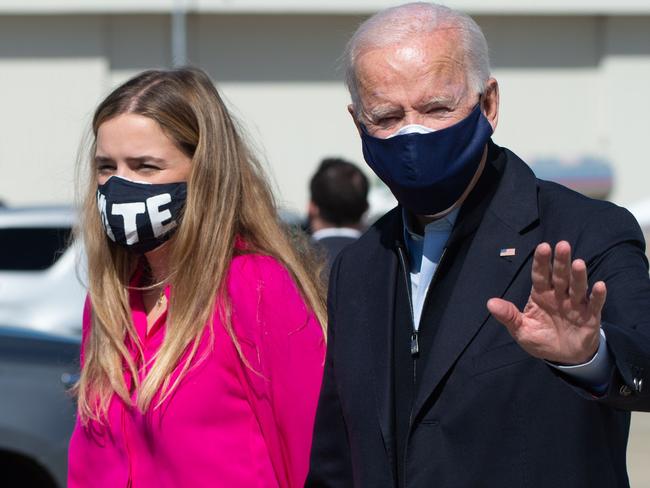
<point x="143" y="158"/>
<point x="103" y="159"/>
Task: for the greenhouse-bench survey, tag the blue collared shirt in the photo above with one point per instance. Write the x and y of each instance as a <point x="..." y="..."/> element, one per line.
<point x="425" y="252"/>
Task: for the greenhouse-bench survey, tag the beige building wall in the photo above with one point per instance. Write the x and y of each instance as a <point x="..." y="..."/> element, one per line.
<point x="570" y="85"/>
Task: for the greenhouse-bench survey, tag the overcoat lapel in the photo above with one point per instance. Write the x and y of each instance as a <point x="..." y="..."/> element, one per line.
<point x="381" y="278"/>
<point x="508" y="223"/>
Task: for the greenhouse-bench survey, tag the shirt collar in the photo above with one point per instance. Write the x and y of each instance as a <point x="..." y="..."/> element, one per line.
<point x="444" y="224"/>
<point x="336" y="232"/>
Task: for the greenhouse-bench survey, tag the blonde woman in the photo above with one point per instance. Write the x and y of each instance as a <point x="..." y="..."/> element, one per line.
<point x="203" y="338"/>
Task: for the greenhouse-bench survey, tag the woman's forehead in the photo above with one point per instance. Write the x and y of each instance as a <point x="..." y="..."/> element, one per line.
<point x="133" y="131"/>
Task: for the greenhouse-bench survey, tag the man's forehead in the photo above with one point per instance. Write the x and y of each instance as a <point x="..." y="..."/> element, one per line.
<point x="420" y="73"/>
<point x="420" y="53"/>
<point x="444" y="42"/>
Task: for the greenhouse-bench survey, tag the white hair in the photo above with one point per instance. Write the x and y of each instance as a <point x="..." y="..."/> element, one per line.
<point x="397" y="24"/>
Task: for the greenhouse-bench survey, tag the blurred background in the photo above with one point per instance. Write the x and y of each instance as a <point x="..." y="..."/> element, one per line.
<point x="574" y="80"/>
<point x="573" y="76"/>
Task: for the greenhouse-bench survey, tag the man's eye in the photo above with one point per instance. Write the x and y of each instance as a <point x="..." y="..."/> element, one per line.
<point x="438" y="110"/>
<point x="387" y="120"/>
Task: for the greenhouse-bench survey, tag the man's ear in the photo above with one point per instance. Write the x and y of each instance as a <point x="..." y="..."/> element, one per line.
<point x="490" y="103"/>
<point x="312" y="210"/>
<point x="353" y="114"/>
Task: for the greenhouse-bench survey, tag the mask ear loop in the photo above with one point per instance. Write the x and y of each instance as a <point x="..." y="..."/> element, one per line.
<point x="479" y="103"/>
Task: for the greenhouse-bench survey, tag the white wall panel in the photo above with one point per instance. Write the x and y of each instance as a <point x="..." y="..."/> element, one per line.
<point x="294" y="126"/>
<point x="626" y="75"/>
<point x="51" y="76"/>
<point x="547" y="68"/>
<point x="281" y="74"/>
<point x="135" y="43"/>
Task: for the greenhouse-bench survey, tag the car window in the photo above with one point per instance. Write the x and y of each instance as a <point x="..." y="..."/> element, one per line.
<point x="32" y="249"/>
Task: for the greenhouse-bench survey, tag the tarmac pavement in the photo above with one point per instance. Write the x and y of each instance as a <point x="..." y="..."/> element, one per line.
<point x="638" y="451"/>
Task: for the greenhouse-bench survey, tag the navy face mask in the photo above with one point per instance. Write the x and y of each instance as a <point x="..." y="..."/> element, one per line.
<point x="140" y="216"/>
<point x="428" y="173"/>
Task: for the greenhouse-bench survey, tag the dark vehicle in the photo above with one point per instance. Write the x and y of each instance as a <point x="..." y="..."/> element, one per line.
<point x="37" y="413"/>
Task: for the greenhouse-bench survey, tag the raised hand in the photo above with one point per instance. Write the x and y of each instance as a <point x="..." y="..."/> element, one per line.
<point x="560" y="323"/>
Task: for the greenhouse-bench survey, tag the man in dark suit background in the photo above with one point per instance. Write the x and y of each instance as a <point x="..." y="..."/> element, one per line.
<point x="338" y="201"/>
<point x="494" y="329"/>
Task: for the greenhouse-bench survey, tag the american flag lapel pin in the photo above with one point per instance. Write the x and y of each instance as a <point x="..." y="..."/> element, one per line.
<point x="507" y="252"/>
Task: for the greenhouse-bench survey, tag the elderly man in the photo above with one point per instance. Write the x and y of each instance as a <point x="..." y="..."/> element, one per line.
<point x="493" y="330"/>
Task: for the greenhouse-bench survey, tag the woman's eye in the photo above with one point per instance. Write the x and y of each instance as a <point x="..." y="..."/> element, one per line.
<point x="148" y="167"/>
<point x="104" y="168"/>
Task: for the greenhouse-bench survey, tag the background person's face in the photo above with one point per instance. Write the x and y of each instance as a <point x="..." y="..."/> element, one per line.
<point x="422" y="81"/>
<point x="135" y="147"/>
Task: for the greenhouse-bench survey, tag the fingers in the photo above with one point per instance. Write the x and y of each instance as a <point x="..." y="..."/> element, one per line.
<point x="555" y="271"/>
<point x="506" y="313"/>
<point x="578" y="286"/>
<point x="561" y="277"/>
<point x="541" y="273"/>
<point x="597" y="298"/>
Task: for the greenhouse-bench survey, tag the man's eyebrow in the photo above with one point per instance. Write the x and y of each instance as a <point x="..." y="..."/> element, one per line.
<point x="383" y="110"/>
<point x="439" y="100"/>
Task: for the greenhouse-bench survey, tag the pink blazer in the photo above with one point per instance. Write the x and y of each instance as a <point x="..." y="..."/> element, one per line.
<point x="227" y="424"/>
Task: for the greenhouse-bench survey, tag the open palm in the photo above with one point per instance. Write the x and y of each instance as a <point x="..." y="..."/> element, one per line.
<point x="560" y="322"/>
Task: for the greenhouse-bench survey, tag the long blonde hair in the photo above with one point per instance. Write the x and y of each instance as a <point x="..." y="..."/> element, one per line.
<point x="228" y="198"/>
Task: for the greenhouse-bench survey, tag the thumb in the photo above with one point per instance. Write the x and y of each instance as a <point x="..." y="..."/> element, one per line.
<point x="505" y="312"/>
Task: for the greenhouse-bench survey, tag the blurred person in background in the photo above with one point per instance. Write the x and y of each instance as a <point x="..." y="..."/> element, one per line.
<point x="492" y="330"/>
<point x="203" y="332"/>
<point x="338" y="201"/>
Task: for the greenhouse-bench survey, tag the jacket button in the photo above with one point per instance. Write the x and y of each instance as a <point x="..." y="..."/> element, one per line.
<point x="625" y="391"/>
<point x="638" y="384"/>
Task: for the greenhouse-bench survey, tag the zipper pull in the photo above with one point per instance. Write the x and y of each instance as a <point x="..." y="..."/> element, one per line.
<point x="415" y="345"/>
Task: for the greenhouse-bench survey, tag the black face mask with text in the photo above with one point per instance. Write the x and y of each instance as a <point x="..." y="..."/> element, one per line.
<point x="140" y="216"/>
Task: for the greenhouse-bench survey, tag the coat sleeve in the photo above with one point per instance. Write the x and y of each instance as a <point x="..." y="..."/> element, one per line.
<point x="615" y="254"/>
<point x="285" y="346"/>
<point x="330" y="464"/>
